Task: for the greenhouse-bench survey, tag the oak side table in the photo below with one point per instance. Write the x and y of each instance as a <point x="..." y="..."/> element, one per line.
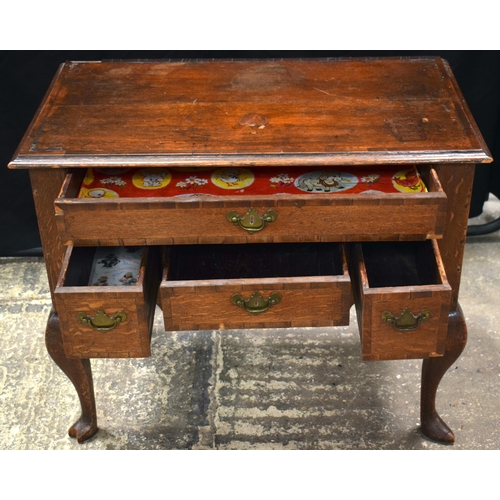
<point x="320" y="236"/>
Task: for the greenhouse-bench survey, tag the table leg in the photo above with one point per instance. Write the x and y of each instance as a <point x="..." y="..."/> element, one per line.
<point x="457" y="183"/>
<point x="433" y="370"/>
<point x="46" y="184"/>
<point x="80" y="374"/>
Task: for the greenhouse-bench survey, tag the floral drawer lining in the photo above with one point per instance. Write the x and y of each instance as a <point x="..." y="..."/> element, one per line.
<point x="163" y="182"/>
<point x="116" y="266"/>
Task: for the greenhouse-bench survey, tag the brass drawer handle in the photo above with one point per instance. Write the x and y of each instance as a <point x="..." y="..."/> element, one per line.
<point x="256" y="304"/>
<point x="406" y="321"/>
<point x="252" y="221"/>
<point x="101" y="321"/>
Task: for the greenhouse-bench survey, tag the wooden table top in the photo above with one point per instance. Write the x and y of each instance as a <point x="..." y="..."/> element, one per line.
<point x="270" y="112"/>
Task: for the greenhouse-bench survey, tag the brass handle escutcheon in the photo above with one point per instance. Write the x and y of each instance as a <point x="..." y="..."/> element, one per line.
<point x="406" y="321"/>
<point x="101" y="321"/>
<point x="252" y="221"/>
<point x="256" y="304"/>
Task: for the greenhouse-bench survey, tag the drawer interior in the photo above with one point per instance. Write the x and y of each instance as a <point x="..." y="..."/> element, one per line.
<point x="279" y="260"/>
<point x="394" y="264"/>
<point x="162" y="182"/>
<point x="104" y="266"/>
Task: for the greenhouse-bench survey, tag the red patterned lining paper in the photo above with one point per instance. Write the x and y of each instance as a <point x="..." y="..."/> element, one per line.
<point x="154" y="182"/>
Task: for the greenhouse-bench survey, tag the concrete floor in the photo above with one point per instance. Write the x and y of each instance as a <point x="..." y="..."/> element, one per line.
<point x="253" y="389"/>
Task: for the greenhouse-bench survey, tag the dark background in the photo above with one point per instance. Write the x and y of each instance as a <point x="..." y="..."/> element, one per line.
<point x="26" y="75"/>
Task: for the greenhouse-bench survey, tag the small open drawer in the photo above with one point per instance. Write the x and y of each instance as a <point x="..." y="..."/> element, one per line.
<point x="106" y="321"/>
<point x="255" y="286"/>
<point x="402" y="299"/>
<point x="270" y="217"/>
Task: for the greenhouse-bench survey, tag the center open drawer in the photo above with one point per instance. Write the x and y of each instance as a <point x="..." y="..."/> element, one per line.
<point x="255" y="286"/>
<point x="323" y="206"/>
<point x="402" y="299"/>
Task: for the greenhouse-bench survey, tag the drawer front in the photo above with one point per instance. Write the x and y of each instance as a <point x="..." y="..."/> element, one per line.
<point x="108" y="322"/>
<point x="300" y="301"/>
<point x="400" y="322"/>
<point x="242" y="219"/>
<point x="259" y="305"/>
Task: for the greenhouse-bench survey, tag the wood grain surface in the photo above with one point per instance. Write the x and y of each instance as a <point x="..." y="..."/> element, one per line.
<point x="45" y="186"/>
<point x="328" y="112"/>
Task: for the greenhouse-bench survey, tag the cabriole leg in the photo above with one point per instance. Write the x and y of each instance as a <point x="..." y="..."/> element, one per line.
<point x="80" y="374"/>
<point x="433" y="370"/>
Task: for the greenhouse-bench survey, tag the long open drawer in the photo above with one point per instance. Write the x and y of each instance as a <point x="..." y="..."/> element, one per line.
<point x="323" y="215"/>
